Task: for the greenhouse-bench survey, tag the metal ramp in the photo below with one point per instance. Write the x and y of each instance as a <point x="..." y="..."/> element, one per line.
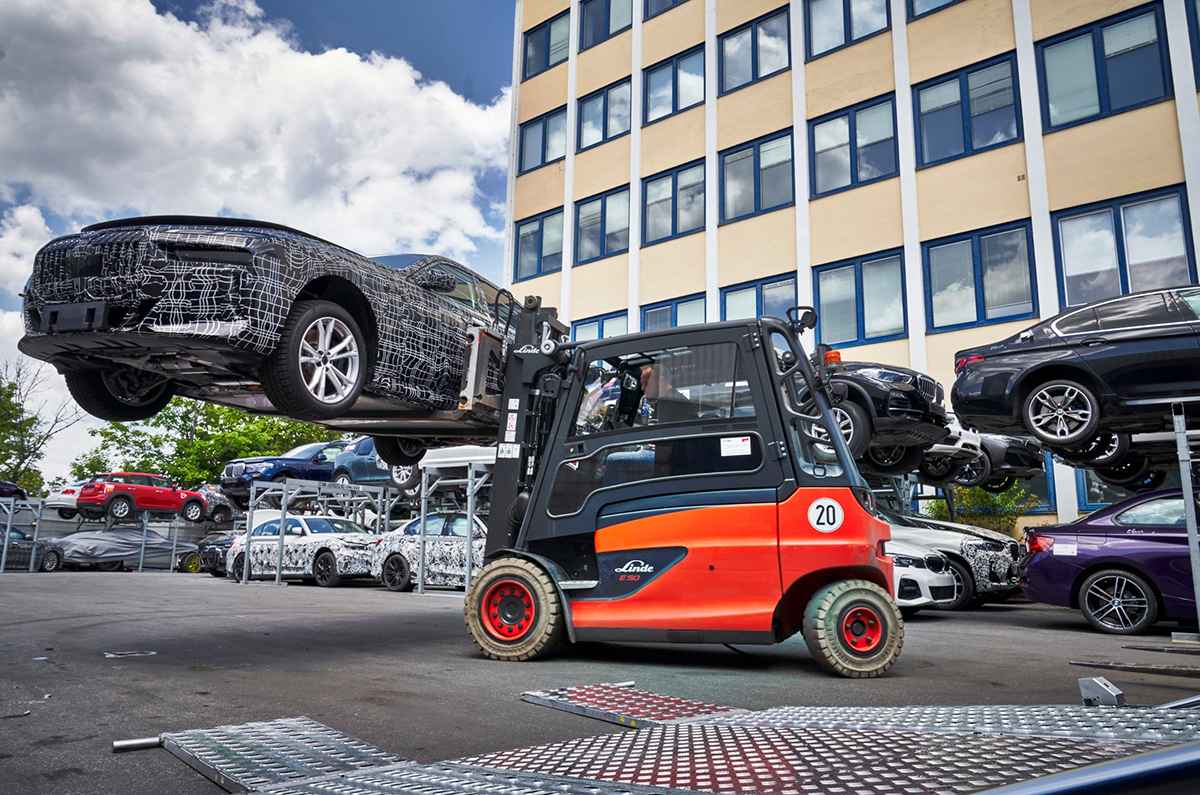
<point x="626" y="705"/>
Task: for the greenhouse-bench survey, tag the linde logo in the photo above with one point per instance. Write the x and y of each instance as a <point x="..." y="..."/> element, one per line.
<point x="635" y="567"/>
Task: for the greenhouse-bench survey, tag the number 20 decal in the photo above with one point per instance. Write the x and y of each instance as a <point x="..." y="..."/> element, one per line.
<point x="826" y="515"/>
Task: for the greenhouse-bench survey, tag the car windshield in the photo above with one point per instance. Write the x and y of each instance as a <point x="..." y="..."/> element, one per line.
<point x="305" y="450"/>
<point x="320" y="524"/>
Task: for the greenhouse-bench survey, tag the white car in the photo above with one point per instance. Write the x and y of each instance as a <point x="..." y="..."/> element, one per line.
<point x="63" y="500"/>
<point x="397" y="561"/>
<point x="326" y="549"/>
<point x="921" y="578"/>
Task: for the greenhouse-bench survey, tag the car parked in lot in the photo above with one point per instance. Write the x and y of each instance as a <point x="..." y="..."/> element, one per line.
<point x="324" y="549"/>
<point x="359" y="463"/>
<point x="212" y="548"/>
<point x="120" y="547"/>
<point x="312" y="461"/>
<point x="63" y="500"/>
<point x="1113" y="366"/>
<point x="1125" y="567"/>
<point x="123" y="495"/>
<point x="11" y="491"/>
<point x="397" y="558"/>
<point x="220" y="509"/>
<point x="47" y="555"/>
<point x="921" y="576"/>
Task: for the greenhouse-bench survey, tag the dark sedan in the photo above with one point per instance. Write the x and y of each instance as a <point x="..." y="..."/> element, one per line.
<point x="1112" y="366"/>
<point x="212" y="549"/>
<point x="1125" y="567"/>
<point x="46" y="555"/>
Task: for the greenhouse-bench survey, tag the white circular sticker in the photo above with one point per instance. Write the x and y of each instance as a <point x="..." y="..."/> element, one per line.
<point x="825" y="515"/>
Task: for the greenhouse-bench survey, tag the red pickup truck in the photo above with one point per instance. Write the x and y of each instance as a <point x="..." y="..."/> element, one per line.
<point x="122" y="495"/>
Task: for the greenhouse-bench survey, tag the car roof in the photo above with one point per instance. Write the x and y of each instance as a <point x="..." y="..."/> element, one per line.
<point x="137" y="474"/>
<point x="201" y="220"/>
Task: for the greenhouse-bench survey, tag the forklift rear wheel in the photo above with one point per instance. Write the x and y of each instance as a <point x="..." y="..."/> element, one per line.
<point x="513" y="611"/>
<point x="853" y="629"/>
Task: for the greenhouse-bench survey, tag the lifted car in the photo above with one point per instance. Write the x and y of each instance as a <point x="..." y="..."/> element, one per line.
<point x="123" y="495"/>
<point x="312" y="461"/>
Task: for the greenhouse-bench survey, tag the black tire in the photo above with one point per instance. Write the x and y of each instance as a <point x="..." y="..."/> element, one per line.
<point x="324" y="570"/>
<point x="964" y="587"/>
<point x="937" y="469"/>
<point x="107" y="393"/>
<point x="1150" y="481"/>
<point x="998" y="485"/>
<point x="1131" y="470"/>
<point x="111" y="565"/>
<point x="853" y="629"/>
<point x="121" y="508"/>
<point x="222" y="515"/>
<point x="284" y="382"/>
<point x="396" y="574"/>
<point x="1130" y="608"/>
<point x="189" y="564"/>
<point x="974" y="472"/>
<point x="1079" y="432"/>
<point x="399" y="452"/>
<point x="67" y="514"/>
<point x="239" y="565"/>
<point x="893" y="459"/>
<point x="859" y="436"/>
<point x="216" y="572"/>
<point x="192" y="511"/>
<point x="1106" y="449"/>
<point x="524" y="618"/>
<point x="51" y="561"/>
<point x="909" y="612"/>
<point x="406" y="478"/>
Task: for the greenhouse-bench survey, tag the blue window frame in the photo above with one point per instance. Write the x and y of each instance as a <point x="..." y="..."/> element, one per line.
<point x="600" y="327"/>
<point x="538" y="248"/>
<point x="655" y="7"/>
<point x="979" y="278"/>
<point x="830" y="25"/>
<point x="861" y="300"/>
<point x="1193" y="12"/>
<point x="685" y="311"/>
<point x="543" y="140"/>
<point x="673" y="85"/>
<point x="1123" y="245"/>
<point x="772" y="296"/>
<point x="754" y="51"/>
<point x="756" y="177"/>
<point x="1093" y="494"/>
<point x="673" y="203"/>
<point x="600" y="20"/>
<point x="547" y="44"/>
<point x="603" y="115"/>
<point x="602" y="225"/>
<point x="838" y="166"/>
<point x="968" y="111"/>
<point x="1104" y="68"/>
<point x="920" y="8"/>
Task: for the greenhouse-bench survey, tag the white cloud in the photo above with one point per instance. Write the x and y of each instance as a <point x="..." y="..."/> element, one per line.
<point x="23" y="231"/>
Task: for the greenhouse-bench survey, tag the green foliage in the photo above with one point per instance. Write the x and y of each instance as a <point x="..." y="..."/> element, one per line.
<point x="27" y="424"/>
<point x="994" y="511"/>
<point x="190" y="441"/>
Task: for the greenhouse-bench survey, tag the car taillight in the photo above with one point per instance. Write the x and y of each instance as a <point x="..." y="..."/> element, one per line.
<point x="962" y="362"/>
<point x="1038" y="543"/>
<point x="68" y="491"/>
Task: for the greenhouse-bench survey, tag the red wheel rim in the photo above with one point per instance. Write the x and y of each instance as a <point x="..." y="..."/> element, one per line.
<point x="862" y="629"/>
<point x="507" y="610"/>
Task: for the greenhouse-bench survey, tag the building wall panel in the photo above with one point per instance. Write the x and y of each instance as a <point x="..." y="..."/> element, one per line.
<point x="542" y="93"/>
<point x="538" y="191"/>
<point x="731" y="13"/>
<point x="672" y="269"/>
<point x="549" y="287"/>
<point x="854" y="222"/>
<point x="841" y="79"/>
<point x="672" y="32"/>
<point x="673" y="141"/>
<point x="1055" y="16"/>
<point x="759" y="109"/>
<point x="537" y="11"/>
<point x="962" y="34"/>
<point x="761" y="246"/>
<point x="600" y="287"/>
<point x="605" y="63"/>
<point x="973" y="192"/>
<point x="606" y="166"/>
<point x="892" y="352"/>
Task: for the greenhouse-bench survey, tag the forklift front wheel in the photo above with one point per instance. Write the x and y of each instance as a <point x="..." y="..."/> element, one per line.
<point x="853" y="629"/>
<point x="513" y="611"/>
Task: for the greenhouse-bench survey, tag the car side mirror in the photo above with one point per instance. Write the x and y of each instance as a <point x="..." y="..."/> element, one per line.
<point x="435" y="280"/>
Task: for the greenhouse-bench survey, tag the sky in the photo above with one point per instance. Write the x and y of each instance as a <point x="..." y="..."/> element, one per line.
<point x="379" y="124"/>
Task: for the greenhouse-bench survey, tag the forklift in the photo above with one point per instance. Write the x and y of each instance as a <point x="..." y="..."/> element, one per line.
<point x="677" y="486"/>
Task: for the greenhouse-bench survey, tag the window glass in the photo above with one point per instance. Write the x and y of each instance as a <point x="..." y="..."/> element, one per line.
<point x="323" y="525"/>
<point x="552" y="233"/>
<point x="690" y="313"/>
<point x="1142" y="310"/>
<point x="1155" y="251"/>
<point x="536" y="52"/>
<point x="866" y="17"/>
<point x="620" y="15"/>
<point x="1089" y="257"/>
<point x="560" y="33"/>
<point x="527" y="249"/>
<point x="952" y="277"/>
<point x="594" y="28"/>
<point x="739" y="184"/>
<point x="773" y="42"/>
<point x="616" y="222"/>
<point x="556" y="136"/>
<point x="585" y="332"/>
<point x="831" y="142"/>
<point x="874" y="137"/>
<point x="657" y="319"/>
<point x="616" y="326"/>
<point x="691" y="200"/>
<point x="741" y="304"/>
<point x="839" y="301"/>
<point x="1078" y="322"/>
<point x="883" y="308"/>
<point x="531" y="145"/>
<point x="737" y="67"/>
<point x="827" y="25"/>
<point x="658" y="92"/>
<point x="691" y="80"/>
<point x="1095" y="492"/>
<point x="941" y="121"/>
<point x="589" y="231"/>
<point x="655" y="7"/>
<point x="778" y="298"/>
<point x="1132" y="62"/>
<point x="775" y="172"/>
<point x="1189" y="300"/>
<point x="993" y="105"/>
<point x="1163" y="512"/>
<point x="922" y="6"/>
<point x="1006" y="287"/>
<point x="658" y="209"/>
<point x="1071" y="80"/>
<point x="457" y="526"/>
<point x="270" y="528"/>
<point x="618" y="109"/>
<point x="591" y="121"/>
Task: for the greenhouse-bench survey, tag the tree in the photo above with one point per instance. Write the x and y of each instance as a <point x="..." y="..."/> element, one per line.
<point x="995" y="511"/>
<point x="189" y="441"/>
<point x="28" y="422"/>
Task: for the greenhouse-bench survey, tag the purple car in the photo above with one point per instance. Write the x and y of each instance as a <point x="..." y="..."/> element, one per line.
<point x="1125" y="566"/>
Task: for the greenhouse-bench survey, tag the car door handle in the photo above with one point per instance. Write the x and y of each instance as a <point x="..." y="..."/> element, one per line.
<point x="1092" y="342"/>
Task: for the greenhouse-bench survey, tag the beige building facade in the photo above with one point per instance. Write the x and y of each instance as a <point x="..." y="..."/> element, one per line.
<point x="930" y="174"/>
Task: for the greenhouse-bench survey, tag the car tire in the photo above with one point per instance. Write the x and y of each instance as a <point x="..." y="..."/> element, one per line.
<point x="909" y="612"/>
<point x="1078" y="429"/>
<point x="964" y="587"/>
<point x="1106" y="449"/>
<point x="853" y="629"/>
<point x="405" y="477"/>
<point x="399" y="452"/>
<point x="998" y="485"/>
<point x="974" y="472"/>
<point x="239" y="566"/>
<point x="192" y="511"/>
<point x="937" y="469"/>
<point x="317" y="328"/>
<point x="1118" y="602"/>
<point x="513" y="611"/>
<point x="324" y="569"/>
<point x="893" y="459"/>
<point x="108" y="393"/>
<point x="111" y="565"/>
<point x="1150" y="481"/>
<point x="222" y="515"/>
<point x="190" y="564"/>
<point x="121" y="508"/>
<point x="51" y="561"/>
<point x="67" y="514"/>
<point x="216" y="573"/>
<point x="396" y="574"/>
<point x="1129" y="471"/>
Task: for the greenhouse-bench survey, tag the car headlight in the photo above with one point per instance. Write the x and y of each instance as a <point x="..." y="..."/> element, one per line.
<point x="903" y="560"/>
<point x="887" y="378"/>
<point x="254" y="469"/>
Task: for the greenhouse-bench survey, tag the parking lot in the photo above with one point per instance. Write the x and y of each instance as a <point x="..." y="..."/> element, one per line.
<point x="399" y="671"/>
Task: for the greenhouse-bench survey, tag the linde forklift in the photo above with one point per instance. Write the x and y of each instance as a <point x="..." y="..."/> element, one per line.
<point x="679" y="486"/>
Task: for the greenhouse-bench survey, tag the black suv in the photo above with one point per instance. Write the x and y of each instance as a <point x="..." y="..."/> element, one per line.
<point x="1110" y="367"/>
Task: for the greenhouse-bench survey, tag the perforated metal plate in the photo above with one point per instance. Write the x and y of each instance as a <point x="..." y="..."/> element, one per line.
<point x="624" y="704"/>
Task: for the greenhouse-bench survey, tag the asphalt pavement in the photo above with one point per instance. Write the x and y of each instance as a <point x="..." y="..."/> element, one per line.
<point x="399" y="671"/>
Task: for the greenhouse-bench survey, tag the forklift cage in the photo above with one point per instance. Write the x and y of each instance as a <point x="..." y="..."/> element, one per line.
<point x="479" y="476"/>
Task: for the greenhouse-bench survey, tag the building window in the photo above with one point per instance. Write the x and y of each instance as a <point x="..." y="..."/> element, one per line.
<point x="546" y="45"/>
<point x="603" y="115"/>
<point x="1193" y="12"/>
<point x="771" y="297"/>
<point x="756" y="177"/>
<point x="599" y="328"/>
<point x="860" y="300"/>
<point x="539" y="245"/>
<point x="1122" y="246"/>
<point x="970" y="111"/>
<point x="838" y="165"/>
<point x="1094" y="494"/>
<point x="600" y="20"/>
<point x="688" y="311"/>
<point x="673" y="203"/>
<point x="543" y="140"/>
<point x="1105" y="68"/>
<point x="675" y="84"/>
<point x="919" y="8"/>
<point x="756" y="50"/>
<point x="833" y="24"/>
<point x="655" y="7"/>
<point x="602" y="226"/>
<point x="979" y="277"/>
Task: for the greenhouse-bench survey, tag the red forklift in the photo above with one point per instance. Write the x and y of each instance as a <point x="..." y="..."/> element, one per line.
<point x="679" y="486"/>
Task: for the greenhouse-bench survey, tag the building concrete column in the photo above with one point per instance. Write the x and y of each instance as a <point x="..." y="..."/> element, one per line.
<point x="1183" y="75"/>
<point x="506" y="267"/>
<point x="634" y="314"/>
<point x="712" y="293"/>
<point x="804" y="283"/>
<point x="568" y="252"/>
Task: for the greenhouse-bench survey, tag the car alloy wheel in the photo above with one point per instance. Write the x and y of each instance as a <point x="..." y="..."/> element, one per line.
<point x="1061" y="412"/>
<point x="325" y="570"/>
<point x="974" y="472"/>
<point x="193" y="512"/>
<point x="1118" y="602"/>
<point x="120" y="508"/>
<point x="329" y="360"/>
<point x="51" y="561"/>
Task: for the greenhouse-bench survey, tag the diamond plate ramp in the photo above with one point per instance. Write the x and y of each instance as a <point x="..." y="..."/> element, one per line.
<point x="626" y="705"/>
